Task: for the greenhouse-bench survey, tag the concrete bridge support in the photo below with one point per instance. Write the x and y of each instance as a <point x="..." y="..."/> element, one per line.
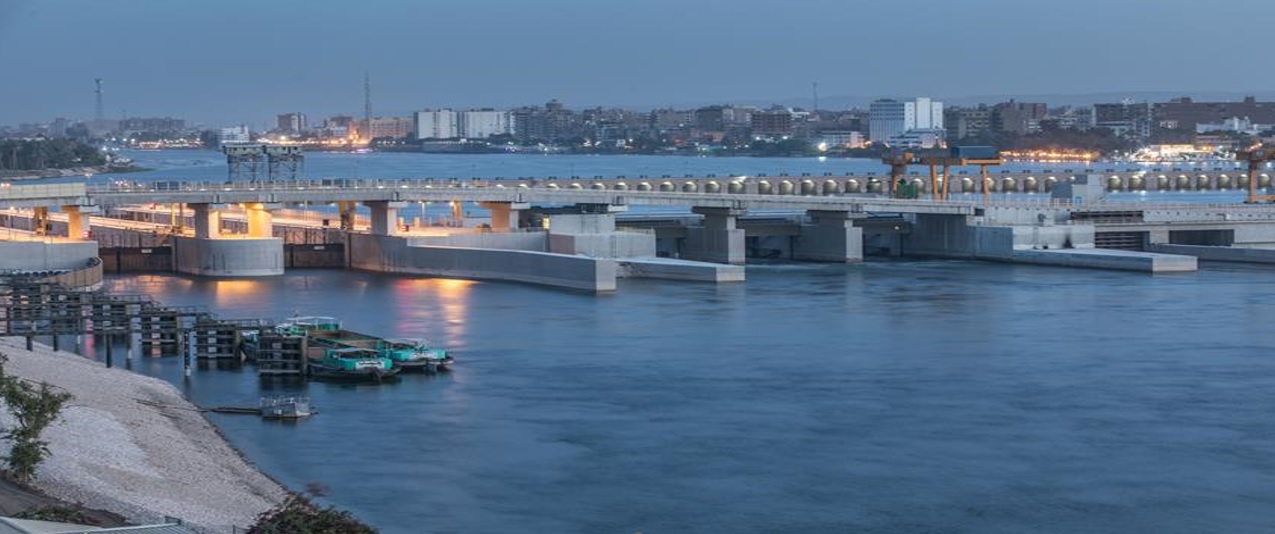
<point x="831" y="237"/>
<point x="504" y="215"/>
<point x="260" y="222"/>
<point x="40" y="220"/>
<point x="77" y="221"/>
<point x="207" y="220"/>
<point x="385" y="216"/>
<point x="717" y="240"/>
<point x="346" y="210"/>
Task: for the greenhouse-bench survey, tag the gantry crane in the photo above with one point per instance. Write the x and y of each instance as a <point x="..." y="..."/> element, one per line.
<point x="1256" y="156"/>
<point x="936" y="159"/>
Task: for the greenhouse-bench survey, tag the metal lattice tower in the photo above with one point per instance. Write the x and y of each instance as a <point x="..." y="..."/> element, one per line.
<point x="367" y="103"/>
<point x="98" y="115"/>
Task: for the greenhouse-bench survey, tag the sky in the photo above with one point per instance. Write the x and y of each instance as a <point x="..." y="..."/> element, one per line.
<point x="228" y="62"/>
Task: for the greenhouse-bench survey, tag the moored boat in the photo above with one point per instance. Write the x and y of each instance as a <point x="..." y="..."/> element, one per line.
<point x="289" y="407"/>
<point x="417" y="355"/>
<point x="352" y="363"/>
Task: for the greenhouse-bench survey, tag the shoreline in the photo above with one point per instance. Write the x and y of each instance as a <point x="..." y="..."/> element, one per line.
<point x="68" y="173"/>
<point x="133" y="445"/>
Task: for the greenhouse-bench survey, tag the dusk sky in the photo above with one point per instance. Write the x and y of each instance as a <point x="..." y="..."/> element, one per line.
<point x="233" y="61"/>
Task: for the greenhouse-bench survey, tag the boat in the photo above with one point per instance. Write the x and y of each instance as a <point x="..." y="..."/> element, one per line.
<point x="285" y="407"/>
<point x="415" y="354"/>
<point x="352" y="363"/>
<point x="407" y="354"/>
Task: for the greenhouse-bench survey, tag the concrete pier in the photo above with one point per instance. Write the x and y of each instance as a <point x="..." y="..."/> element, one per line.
<point x="717" y="240"/>
<point x="832" y="237"/>
<point x="1212" y="253"/>
<point x="671" y="269"/>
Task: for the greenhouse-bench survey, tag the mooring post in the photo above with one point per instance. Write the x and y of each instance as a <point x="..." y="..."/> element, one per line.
<point x="79" y="345"/>
<point x="109" y="353"/>
<point x="184" y="353"/>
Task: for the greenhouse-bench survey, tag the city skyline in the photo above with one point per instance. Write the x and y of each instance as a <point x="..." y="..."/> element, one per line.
<point x="239" y="62"/>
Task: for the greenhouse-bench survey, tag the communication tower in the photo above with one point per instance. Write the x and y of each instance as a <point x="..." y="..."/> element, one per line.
<point x="98" y="115"/>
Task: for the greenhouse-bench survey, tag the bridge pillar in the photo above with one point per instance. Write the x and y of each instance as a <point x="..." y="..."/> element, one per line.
<point x="832" y="237"/>
<point x="385" y="216"/>
<point x="347" y="214"/>
<point x="504" y="215"/>
<point x="717" y="240"/>
<point x="207" y="220"/>
<point x="260" y="221"/>
<point x="40" y="221"/>
<point x="77" y="220"/>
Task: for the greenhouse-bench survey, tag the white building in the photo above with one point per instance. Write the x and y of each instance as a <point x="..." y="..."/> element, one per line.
<point x="1234" y="124"/>
<point x="481" y="124"/>
<point x="437" y="124"/>
<point x="237" y="134"/>
<point x="889" y="118"/>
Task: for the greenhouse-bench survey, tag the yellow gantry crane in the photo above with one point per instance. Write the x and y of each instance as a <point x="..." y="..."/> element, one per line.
<point x="1256" y="156"/>
<point x="944" y="160"/>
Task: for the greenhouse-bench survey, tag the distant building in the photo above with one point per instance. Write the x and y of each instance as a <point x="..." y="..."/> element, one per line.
<point x="136" y="125"/>
<point x="963" y="123"/>
<point x="1127" y="119"/>
<point x="291" y="123"/>
<point x="437" y="124"/>
<point x="1184" y="113"/>
<point x="1234" y="124"/>
<point x="236" y="134"/>
<point x="842" y="139"/>
<point x="484" y="123"/>
<point x="772" y="123"/>
<point x="917" y="138"/>
<point x="888" y="118"/>
<point x="392" y="127"/>
<point x="1018" y="117"/>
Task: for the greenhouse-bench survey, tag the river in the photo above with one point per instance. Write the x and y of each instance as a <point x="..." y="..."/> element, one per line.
<point x="887" y="396"/>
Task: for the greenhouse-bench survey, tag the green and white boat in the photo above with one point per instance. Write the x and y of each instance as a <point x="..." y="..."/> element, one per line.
<point x="416" y="354"/>
<point x="352" y="363"/>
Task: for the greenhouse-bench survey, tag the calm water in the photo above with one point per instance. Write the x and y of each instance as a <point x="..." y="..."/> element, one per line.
<point x="902" y="396"/>
<point x="912" y="396"/>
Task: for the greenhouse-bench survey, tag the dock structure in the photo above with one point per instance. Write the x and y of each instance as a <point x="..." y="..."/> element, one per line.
<point x="31" y="306"/>
<point x="282" y="356"/>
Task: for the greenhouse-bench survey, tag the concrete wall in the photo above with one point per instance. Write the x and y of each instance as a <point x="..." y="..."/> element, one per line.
<point x="715" y="245"/>
<point x="396" y="255"/>
<point x="533" y="241"/>
<point x="613" y="245"/>
<point x="1232" y="254"/>
<point x="950" y="236"/>
<point x="582" y="223"/>
<point x="41" y="256"/>
<point x="829" y="242"/>
<point x="228" y="257"/>
<point x="671" y="269"/>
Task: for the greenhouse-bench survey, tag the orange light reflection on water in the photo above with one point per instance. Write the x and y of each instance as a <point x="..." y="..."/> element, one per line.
<point x="445" y="320"/>
<point x="231" y="293"/>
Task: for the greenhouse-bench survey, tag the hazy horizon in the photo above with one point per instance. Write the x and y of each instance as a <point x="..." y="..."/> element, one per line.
<point x="221" y="63"/>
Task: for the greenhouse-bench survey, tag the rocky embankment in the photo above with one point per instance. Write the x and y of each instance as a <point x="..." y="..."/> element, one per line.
<point x="131" y="444"/>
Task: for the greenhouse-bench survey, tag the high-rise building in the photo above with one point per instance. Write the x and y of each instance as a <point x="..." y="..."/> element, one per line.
<point x="484" y="123"/>
<point x="437" y="124"/>
<point x="774" y="122"/>
<point x="392" y="127"/>
<point x="888" y="118"/>
<point x="962" y="123"/>
<point x="291" y="122"/>
<point x="1018" y="117"/>
<point x="236" y="134"/>
<point x="1126" y="119"/>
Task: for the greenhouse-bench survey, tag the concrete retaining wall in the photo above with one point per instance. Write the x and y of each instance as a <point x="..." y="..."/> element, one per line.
<point x="228" y="257"/>
<point x="396" y="255"/>
<point x="670" y="269"/>
<point x="1232" y="254"/>
<point x="533" y="241"/>
<point x="829" y="242"/>
<point x="613" y="245"/>
<point x="1108" y="259"/>
<point x="41" y="256"/>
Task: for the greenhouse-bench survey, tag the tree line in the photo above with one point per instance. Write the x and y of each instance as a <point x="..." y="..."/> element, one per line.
<point x="38" y="154"/>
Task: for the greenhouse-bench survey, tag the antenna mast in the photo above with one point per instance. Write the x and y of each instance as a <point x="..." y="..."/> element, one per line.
<point x="98" y="114"/>
<point x="367" y="103"/>
<point x="814" y="89"/>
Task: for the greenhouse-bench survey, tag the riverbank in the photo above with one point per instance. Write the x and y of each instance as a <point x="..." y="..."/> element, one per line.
<point x="133" y="445"/>
<point x="64" y="173"/>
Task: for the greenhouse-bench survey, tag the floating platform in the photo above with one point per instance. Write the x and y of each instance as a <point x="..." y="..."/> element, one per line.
<point x="1097" y="258"/>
